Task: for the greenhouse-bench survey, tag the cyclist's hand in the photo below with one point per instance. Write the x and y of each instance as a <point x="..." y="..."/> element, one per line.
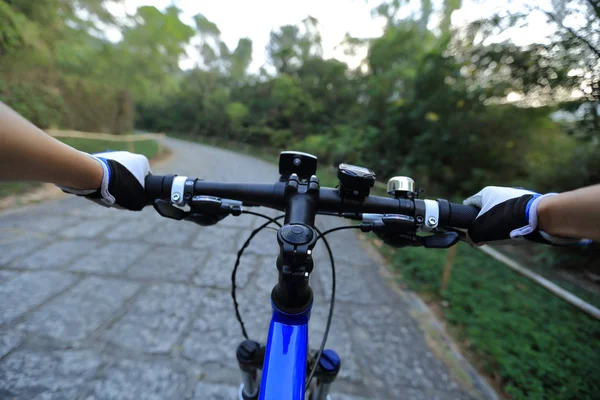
<point x="122" y="183"/>
<point x="506" y="213"/>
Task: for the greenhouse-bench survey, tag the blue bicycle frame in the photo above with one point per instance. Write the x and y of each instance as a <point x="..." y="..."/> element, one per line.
<point x="284" y="370"/>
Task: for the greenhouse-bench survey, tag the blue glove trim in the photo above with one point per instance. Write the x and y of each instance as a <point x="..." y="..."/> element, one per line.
<point x="105" y="161"/>
<point x="529" y="203"/>
<point x="531" y="215"/>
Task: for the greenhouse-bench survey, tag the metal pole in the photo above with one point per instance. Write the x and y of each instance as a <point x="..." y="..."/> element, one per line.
<point x="543" y="282"/>
<point x="448" y="267"/>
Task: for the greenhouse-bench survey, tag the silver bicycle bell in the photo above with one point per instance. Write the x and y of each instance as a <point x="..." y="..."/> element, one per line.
<point x="401" y="187"/>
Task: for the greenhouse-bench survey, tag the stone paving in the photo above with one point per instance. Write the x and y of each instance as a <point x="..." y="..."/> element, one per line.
<point x="106" y="304"/>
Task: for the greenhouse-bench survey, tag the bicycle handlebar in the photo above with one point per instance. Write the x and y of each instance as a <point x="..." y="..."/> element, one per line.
<point x="450" y="215"/>
<point x="461" y="216"/>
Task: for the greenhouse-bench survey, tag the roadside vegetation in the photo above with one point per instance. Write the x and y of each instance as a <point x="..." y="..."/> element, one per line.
<point x="531" y="343"/>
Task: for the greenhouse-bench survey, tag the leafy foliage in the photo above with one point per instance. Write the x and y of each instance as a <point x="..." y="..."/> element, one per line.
<point x="538" y="344"/>
<point x="39" y="104"/>
<point x="55" y="50"/>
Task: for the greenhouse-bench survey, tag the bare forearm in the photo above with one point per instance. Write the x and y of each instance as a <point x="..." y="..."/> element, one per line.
<point x="574" y="214"/>
<point x="27" y="153"/>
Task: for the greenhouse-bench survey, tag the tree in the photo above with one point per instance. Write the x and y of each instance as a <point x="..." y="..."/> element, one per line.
<point x="240" y="59"/>
<point x="578" y="34"/>
<point x="34" y="33"/>
<point x="545" y="73"/>
<point x="291" y="45"/>
<point x="147" y="59"/>
<point x="49" y="47"/>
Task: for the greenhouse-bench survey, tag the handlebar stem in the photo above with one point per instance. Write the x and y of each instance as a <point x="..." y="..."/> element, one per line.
<point x="301" y="200"/>
<point x="296" y="239"/>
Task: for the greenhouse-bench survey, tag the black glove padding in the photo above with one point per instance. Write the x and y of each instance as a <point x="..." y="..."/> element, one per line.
<point x="122" y="183"/>
<point x="500" y="220"/>
<point x="509" y="215"/>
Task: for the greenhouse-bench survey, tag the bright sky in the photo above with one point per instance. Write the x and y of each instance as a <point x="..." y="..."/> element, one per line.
<point x="256" y="19"/>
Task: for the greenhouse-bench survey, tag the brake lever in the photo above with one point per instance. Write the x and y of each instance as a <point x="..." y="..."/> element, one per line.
<point x="167" y="210"/>
<point x="399" y="230"/>
<point x="208" y="210"/>
<point x="387" y="223"/>
<point x="204" y="210"/>
<point x="462" y="235"/>
<point x="440" y="240"/>
<point x="210" y="204"/>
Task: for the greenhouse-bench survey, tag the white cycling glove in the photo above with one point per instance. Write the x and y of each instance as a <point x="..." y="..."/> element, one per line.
<point x="508" y="213"/>
<point x="122" y="183"/>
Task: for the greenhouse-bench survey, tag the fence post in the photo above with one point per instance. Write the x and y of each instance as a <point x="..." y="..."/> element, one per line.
<point x="130" y="145"/>
<point x="448" y="267"/>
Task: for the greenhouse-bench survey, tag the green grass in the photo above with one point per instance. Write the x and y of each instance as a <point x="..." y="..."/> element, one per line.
<point x="12" y="188"/>
<point x="540" y="346"/>
<point x="149" y="148"/>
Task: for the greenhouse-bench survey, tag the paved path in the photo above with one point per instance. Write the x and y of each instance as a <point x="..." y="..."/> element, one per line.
<point x="105" y="304"/>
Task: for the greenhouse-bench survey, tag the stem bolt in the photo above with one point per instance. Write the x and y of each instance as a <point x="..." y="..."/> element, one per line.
<point x="175" y="197"/>
<point x="432" y="221"/>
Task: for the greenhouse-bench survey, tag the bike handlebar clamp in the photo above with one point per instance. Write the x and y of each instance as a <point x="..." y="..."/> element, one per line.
<point x="296" y="239"/>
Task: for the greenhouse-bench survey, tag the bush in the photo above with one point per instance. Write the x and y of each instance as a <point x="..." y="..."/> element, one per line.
<point x="343" y="143"/>
<point x="568" y="166"/>
<point x="318" y="145"/>
<point x="74" y="104"/>
<point x="38" y="103"/>
<point x="541" y="347"/>
<point x="96" y="107"/>
<point x="256" y="136"/>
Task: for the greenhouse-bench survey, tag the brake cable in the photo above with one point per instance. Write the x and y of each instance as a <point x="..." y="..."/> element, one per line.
<point x="271" y="220"/>
<point x="329" y="314"/>
<point x="337" y="228"/>
<point x="331" y="304"/>
<point x="239" y="256"/>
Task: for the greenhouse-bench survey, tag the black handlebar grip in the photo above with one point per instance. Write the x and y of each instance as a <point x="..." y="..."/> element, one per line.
<point x="461" y="216"/>
<point x="158" y="187"/>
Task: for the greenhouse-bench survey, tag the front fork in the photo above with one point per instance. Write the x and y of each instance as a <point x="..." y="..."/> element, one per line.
<point x="251" y="354"/>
